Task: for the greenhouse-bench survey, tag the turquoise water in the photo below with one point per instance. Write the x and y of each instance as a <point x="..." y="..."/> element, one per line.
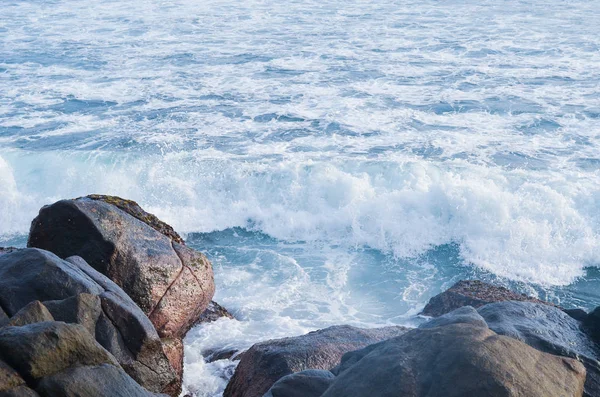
<point x="340" y="162"/>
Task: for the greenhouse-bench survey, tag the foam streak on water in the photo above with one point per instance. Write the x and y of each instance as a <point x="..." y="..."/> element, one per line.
<point x="339" y="161"/>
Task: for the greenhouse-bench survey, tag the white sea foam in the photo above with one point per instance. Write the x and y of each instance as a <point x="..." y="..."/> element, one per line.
<point x="538" y="226"/>
<point x="386" y="148"/>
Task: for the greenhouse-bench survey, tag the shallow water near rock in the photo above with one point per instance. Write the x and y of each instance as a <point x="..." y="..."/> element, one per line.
<point x="339" y="162"/>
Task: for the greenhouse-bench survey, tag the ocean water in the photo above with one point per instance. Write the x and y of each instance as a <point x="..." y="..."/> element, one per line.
<point x="338" y="161"/>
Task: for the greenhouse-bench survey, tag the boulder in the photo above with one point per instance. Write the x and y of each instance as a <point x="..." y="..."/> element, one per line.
<point x="4" y="319"/>
<point x="30" y="274"/>
<point x="19" y="391"/>
<point x="100" y="380"/>
<point x="173" y="349"/>
<point x="42" y="349"/>
<point x="312" y="382"/>
<point x="455" y="360"/>
<point x="213" y="312"/>
<point x="143" y="357"/>
<point x="265" y="363"/>
<point x="60" y="359"/>
<point x="473" y="293"/>
<point x="463" y="315"/>
<point x="9" y="378"/>
<point x="33" y="312"/>
<point x="76" y="293"/>
<point x="134" y="209"/>
<point x="7" y="250"/>
<point x="577" y="314"/>
<point x="591" y="324"/>
<point x="547" y="329"/>
<point x="171" y="283"/>
<point x="187" y="296"/>
<point x="83" y="309"/>
<point x="212" y="355"/>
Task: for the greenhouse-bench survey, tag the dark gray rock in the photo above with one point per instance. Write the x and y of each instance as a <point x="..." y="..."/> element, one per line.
<point x="9" y="378"/>
<point x="547" y="329"/>
<point x="101" y="380"/>
<point x="213" y="355"/>
<point x="128" y="334"/>
<point x="31" y="274"/>
<point x="149" y="365"/>
<point x="42" y="349"/>
<point x="463" y="315"/>
<point x="309" y="383"/>
<point x="7" y="250"/>
<point x="3" y="317"/>
<point x="473" y="293"/>
<point x="83" y="309"/>
<point x="577" y="314"/>
<point x="265" y="363"/>
<point x="455" y="360"/>
<point x="19" y="391"/>
<point x="77" y="293"/>
<point x="213" y="312"/>
<point x="543" y="327"/>
<point x="33" y="312"/>
<point x="171" y="283"/>
<point x="591" y="324"/>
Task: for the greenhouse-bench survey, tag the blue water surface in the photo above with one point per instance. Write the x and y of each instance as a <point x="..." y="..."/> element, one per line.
<point x="339" y="162"/>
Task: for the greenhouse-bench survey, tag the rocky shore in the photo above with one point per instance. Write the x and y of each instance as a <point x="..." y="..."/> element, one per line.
<point x="99" y="302"/>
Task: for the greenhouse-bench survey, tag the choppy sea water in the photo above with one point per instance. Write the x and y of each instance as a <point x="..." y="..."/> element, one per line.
<point x="339" y="162"/>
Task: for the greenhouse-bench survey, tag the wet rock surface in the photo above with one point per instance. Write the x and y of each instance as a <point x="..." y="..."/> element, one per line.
<point x="100" y="380"/>
<point x="213" y="312"/>
<point x="29" y="276"/>
<point x="547" y="329"/>
<point x="42" y="349"/>
<point x="114" y="326"/>
<point x="33" y="312"/>
<point x="473" y="293"/>
<point x="134" y="209"/>
<point x="307" y="383"/>
<point x="455" y="360"/>
<point x="265" y="363"/>
<point x="171" y="283"/>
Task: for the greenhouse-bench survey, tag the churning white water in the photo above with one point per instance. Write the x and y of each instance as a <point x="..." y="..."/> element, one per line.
<point x="340" y="162"/>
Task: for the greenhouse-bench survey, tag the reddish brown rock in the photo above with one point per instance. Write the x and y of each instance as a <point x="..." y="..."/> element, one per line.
<point x="134" y="209"/>
<point x="172" y="316"/>
<point x="173" y="348"/>
<point x="171" y="283"/>
<point x="473" y="293"/>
